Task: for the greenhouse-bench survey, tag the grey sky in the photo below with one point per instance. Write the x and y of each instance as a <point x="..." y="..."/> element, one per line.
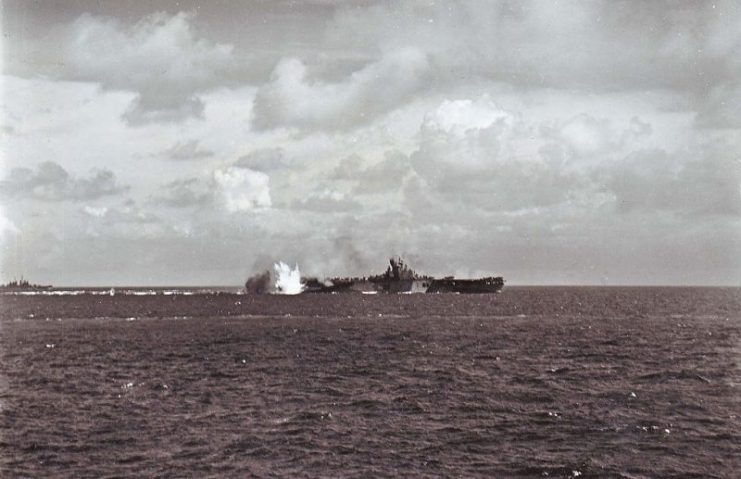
<point x="194" y="142"/>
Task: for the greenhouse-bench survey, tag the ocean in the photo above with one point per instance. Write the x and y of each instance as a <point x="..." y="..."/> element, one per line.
<point x="530" y="383"/>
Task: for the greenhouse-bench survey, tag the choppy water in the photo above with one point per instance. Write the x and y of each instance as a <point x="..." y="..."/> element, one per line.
<point x="534" y="382"/>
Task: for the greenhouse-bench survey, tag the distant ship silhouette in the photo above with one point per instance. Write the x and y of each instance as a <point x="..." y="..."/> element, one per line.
<point x="23" y="285"/>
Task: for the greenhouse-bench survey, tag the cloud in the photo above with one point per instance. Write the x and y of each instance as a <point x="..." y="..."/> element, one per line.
<point x="721" y="107"/>
<point x="293" y="99"/>
<point x="187" y="150"/>
<point x="51" y="182"/>
<point x="95" y="211"/>
<point x="138" y="114"/>
<point x="583" y="135"/>
<point x="328" y="201"/>
<point x="458" y="117"/>
<point x="6" y="226"/>
<point x="385" y="176"/>
<point x="547" y="143"/>
<point x="233" y="188"/>
<point x="159" y="57"/>
<point x="186" y="193"/>
<point x="265" y="159"/>
<point x="703" y="182"/>
<point x="127" y="221"/>
<point x="242" y="189"/>
<point x="461" y="139"/>
<point x="592" y="45"/>
<point x="470" y="156"/>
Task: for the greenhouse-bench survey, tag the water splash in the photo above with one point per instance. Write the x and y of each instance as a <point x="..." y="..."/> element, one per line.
<point x="288" y="280"/>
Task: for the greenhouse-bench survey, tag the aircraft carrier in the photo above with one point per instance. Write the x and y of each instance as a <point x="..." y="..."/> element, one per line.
<point x="398" y="278"/>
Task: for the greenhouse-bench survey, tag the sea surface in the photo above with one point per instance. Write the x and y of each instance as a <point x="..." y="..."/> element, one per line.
<point x="532" y="382"/>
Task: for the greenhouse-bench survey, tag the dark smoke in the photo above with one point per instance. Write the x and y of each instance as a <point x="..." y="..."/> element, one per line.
<point x="259" y="283"/>
<point x="352" y="258"/>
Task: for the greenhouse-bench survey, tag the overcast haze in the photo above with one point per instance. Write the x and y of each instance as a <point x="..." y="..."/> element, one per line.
<point x="196" y="142"/>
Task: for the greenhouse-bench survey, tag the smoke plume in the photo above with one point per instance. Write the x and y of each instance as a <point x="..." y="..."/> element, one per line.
<point x="259" y="284"/>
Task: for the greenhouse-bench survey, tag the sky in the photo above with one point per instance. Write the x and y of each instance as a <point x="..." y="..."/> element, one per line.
<point x="196" y="143"/>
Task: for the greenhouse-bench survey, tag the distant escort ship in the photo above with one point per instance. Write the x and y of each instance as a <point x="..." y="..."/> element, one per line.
<point x="23" y="286"/>
<point x="398" y="278"/>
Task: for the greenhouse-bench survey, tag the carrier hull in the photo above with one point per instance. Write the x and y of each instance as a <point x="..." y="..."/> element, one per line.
<point x="467" y="286"/>
<point x="399" y="278"/>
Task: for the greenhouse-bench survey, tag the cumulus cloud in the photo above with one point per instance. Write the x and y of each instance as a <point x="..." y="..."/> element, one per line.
<point x="328" y="201"/>
<point x="584" y="135"/>
<point x="128" y="221"/>
<point x="265" y="159"/>
<point x="6" y="226"/>
<point x="95" y="211"/>
<point x="293" y="99"/>
<point x="131" y="213"/>
<point x="385" y="176"/>
<point x="550" y="143"/>
<point x="50" y="182"/>
<point x="138" y="113"/>
<point x="470" y="156"/>
<point x="461" y="138"/>
<point x="159" y="57"/>
<point x="187" y="150"/>
<point x="610" y="45"/>
<point x="458" y="117"/>
<point x="242" y="189"/>
<point x="185" y="193"/>
<point x="232" y="188"/>
<point x="382" y="177"/>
